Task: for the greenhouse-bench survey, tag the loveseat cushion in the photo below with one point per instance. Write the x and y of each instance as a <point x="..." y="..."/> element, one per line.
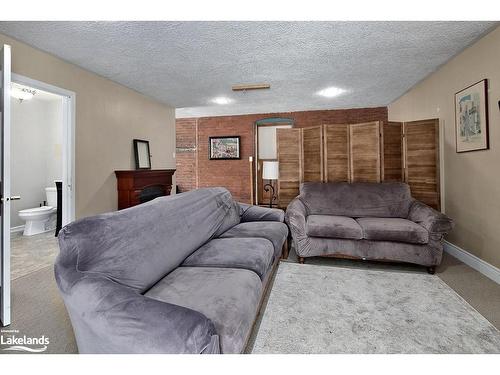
<point x="329" y="226"/>
<point x="393" y="229"/>
<point x="228" y="297"/>
<point x="254" y="254"/>
<point x="272" y="230"/>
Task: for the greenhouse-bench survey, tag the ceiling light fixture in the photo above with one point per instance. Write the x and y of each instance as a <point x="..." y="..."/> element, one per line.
<point x="221" y="100"/>
<point x="331" y="92"/>
<point x="22" y="93"/>
<point x="258" y="86"/>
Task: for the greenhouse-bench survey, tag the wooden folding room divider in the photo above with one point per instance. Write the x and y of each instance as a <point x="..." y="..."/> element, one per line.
<point x="337" y="150"/>
<point x="328" y="153"/>
<point x="411" y="154"/>
<point x="366" y="152"/>
<point x="312" y="154"/>
<point x="289" y="150"/>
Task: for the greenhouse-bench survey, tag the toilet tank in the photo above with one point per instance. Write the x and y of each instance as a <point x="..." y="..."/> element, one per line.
<point x="51" y="193"/>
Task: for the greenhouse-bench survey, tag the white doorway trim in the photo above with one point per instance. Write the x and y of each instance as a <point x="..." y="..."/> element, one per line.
<point x="68" y="149"/>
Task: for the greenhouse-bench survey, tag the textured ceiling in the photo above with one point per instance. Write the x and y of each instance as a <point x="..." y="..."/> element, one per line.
<point x="186" y="64"/>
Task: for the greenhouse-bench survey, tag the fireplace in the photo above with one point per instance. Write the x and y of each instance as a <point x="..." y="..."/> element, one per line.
<point x="151" y="192"/>
<point x="142" y="185"/>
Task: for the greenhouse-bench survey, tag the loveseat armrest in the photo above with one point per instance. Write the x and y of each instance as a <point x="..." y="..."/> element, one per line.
<point x="434" y="221"/>
<point x="256" y="213"/>
<point x="296" y="218"/>
<point x="110" y="318"/>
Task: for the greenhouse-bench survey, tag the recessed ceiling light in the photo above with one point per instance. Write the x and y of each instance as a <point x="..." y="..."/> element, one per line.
<point x="221" y="100"/>
<point x="331" y="92"/>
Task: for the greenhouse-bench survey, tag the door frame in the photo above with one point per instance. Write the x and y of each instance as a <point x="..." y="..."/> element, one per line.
<point x="6" y="79"/>
<point x="265" y="122"/>
<point x="68" y="149"/>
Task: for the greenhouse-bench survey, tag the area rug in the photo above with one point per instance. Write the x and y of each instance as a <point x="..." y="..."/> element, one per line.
<point x="319" y="309"/>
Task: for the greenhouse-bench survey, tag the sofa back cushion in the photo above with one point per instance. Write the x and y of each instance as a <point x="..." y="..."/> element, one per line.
<point x="231" y="219"/>
<point x="138" y="246"/>
<point x="360" y="199"/>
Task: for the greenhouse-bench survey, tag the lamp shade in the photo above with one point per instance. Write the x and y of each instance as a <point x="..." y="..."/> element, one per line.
<point x="270" y="170"/>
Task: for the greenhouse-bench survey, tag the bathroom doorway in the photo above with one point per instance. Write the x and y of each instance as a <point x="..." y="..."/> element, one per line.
<point x="42" y="162"/>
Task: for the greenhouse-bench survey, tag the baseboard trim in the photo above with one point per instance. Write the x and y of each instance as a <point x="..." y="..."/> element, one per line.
<point x="17" y="229"/>
<point x="473" y="261"/>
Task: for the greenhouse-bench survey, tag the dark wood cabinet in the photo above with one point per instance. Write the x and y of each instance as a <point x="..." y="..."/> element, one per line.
<point x="142" y="185"/>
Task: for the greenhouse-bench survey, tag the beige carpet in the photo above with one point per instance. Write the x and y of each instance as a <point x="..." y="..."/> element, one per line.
<point x="37" y="309"/>
<point x="318" y="309"/>
<point x="478" y="290"/>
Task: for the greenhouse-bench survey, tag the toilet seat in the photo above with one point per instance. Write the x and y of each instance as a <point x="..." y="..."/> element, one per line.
<point x="30" y="212"/>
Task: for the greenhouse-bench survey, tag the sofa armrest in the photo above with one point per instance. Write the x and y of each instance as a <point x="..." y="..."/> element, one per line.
<point x="434" y="221"/>
<point x="111" y="318"/>
<point x="256" y="213"/>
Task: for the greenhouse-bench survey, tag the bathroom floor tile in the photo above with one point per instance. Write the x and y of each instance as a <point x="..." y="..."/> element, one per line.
<point x="32" y="253"/>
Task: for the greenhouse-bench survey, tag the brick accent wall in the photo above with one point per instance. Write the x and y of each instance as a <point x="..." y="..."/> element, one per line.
<point x="185" y="134"/>
<point x="195" y="170"/>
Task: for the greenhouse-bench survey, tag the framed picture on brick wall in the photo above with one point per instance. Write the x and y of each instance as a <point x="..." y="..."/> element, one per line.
<point x="224" y="148"/>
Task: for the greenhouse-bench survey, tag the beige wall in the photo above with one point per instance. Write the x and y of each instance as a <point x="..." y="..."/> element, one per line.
<point x="471" y="180"/>
<point x="108" y="117"/>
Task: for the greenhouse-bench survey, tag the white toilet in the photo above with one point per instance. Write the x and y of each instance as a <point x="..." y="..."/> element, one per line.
<point x="41" y="219"/>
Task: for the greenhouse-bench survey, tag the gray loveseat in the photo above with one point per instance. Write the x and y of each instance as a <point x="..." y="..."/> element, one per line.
<point x="179" y="274"/>
<point x="366" y="221"/>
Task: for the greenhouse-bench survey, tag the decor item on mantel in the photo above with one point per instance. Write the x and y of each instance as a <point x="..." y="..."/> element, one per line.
<point x="471" y="117"/>
<point x="270" y="172"/>
<point x="142" y="154"/>
<point x="227" y="147"/>
<point x="142" y="185"/>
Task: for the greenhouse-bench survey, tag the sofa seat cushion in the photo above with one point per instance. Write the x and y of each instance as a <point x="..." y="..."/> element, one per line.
<point x="393" y="229"/>
<point x="229" y="297"/>
<point x="329" y="226"/>
<point x="254" y="254"/>
<point x="272" y="230"/>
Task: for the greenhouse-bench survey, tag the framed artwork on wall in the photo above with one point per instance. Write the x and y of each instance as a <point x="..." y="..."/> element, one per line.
<point x="471" y="118"/>
<point x="142" y="155"/>
<point x="223" y="148"/>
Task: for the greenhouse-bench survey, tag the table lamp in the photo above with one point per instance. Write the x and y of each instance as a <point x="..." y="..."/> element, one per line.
<point x="270" y="172"/>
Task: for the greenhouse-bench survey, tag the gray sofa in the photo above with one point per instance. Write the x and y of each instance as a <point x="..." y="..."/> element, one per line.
<point x="179" y="274"/>
<point x="376" y="221"/>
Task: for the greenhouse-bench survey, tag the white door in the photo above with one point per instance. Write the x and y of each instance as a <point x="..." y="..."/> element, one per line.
<point x="5" y="184"/>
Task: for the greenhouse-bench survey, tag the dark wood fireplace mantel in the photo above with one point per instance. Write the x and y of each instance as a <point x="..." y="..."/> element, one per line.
<point x="140" y="185"/>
